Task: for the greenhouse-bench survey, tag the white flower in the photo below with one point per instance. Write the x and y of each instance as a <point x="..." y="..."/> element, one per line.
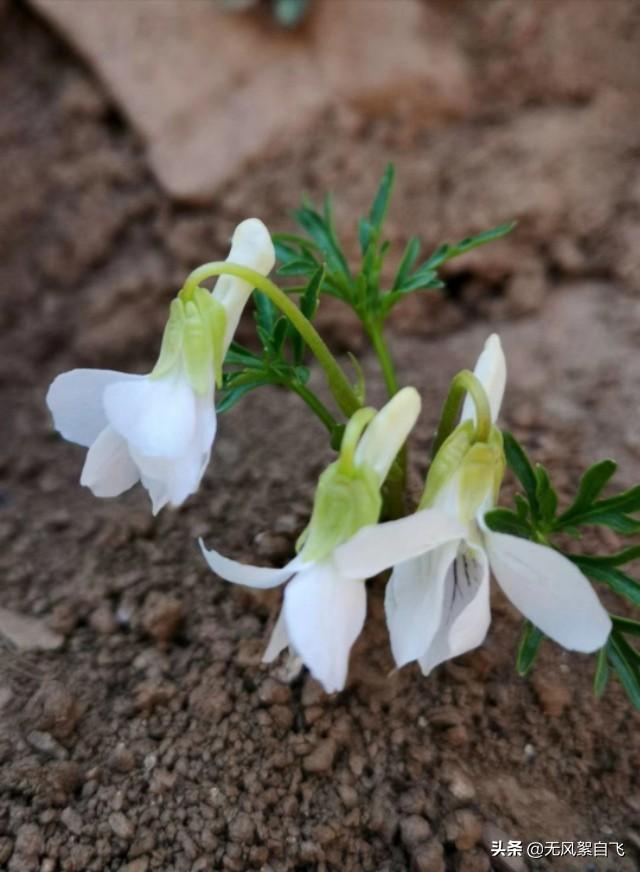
<point x="159" y="428"/>
<point x="437" y="603"/>
<point x="324" y="602"/>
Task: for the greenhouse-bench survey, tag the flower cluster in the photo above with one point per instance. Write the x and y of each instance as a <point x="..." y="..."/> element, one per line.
<point x="437" y="599"/>
<point x="159" y="429"/>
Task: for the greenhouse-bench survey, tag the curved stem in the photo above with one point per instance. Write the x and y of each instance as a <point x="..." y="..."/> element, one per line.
<point x="315" y="404"/>
<point x="338" y="382"/>
<point x="464" y="382"/>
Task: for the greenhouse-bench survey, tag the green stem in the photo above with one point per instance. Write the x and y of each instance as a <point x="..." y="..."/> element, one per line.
<point x="316" y="405"/>
<point x="338" y="382"/>
<point x="464" y="382"/>
<point x="374" y="331"/>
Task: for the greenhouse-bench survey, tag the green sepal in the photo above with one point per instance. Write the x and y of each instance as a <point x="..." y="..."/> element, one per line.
<point x="477" y="478"/>
<point x="344" y="502"/>
<point x="197" y="350"/>
<point x="447" y="462"/>
<point x="479" y="467"/>
<point x="171" y="340"/>
<point x="214" y="317"/>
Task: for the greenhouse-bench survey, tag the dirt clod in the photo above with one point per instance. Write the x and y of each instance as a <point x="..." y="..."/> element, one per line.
<point x="121" y="826"/>
<point x="54" y="709"/>
<point x="414" y="830"/>
<point x="72" y="820"/>
<point x="242" y="829"/>
<point x="428" y="857"/>
<point x="464" y="828"/>
<point x="162" y="617"/>
<point x="553" y="695"/>
<point x="320" y="760"/>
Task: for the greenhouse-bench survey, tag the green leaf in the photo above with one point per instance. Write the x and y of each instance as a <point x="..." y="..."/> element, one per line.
<point x="359" y="388"/>
<point x="280" y="331"/>
<point x="625" y="661"/>
<point x="626" y="625"/>
<point x="424" y="278"/>
<point x="616" y="579"/>
<point x="237" y="355"/>
<point x="520" y="465"/>
<point x="601" y="676"/>
<point x="323" y="235"/>
<point x="619" y="558"/>
<point x="308" y="307"/>
<point x="381" y="201"/>
<point x="409" y="258"/>
<point x="528" y="648"/>
<point x="266" y="313"/>
<point x="309" y="299"/>
<point x="591" y="484"/>
<point x="546" y="496"/>
<point x="298" y="267"/>
<point x="612" y="512"/>
<point x="505" y="521"/>
<point x="365" y="232"/>
<point x="447" y="252"/>
<point x="230" y="397"/>
<point x="522" y="507"/>
<point x="292" y="241"/>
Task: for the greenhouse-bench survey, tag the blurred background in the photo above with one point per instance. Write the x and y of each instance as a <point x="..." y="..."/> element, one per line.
<point x="134" y="136"/>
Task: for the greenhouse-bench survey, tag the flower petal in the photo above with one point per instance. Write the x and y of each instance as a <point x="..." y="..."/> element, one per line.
<point x="172" y="480"/>
<point x="379" y="546"/>
<point x="549" y="590"/>
<point x="466" y="613"/>
<point x="491" y="372"/>
<point x="388" y="431"/>
<point x="108" y="469"/>
<point x="413" y="601"/>
<point x="251" y="246"/>
<point x="156" y="415"/>
<point x="157" y="490"/>
<point x="279" y="640"/>
<point x="75" y="401"/>
<point x="324" y="613"/>
<point x="251" y="576"/>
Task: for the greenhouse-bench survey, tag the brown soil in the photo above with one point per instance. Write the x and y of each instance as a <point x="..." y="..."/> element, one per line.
<point x="153" y="739"/>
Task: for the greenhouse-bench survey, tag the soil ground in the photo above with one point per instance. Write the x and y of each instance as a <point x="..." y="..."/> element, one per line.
<point x="153" y="738"/>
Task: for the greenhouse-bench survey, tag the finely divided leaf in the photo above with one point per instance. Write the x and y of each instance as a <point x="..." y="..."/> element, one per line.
<point x="505" y="521"/>
<point x="528" y="648"/>
<point x="447" y="251"/>
<point x="520" y="465"/>
<point x="601" y="677"/>
<point x="619" y="582"/>
<point x="626" y="662"/>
